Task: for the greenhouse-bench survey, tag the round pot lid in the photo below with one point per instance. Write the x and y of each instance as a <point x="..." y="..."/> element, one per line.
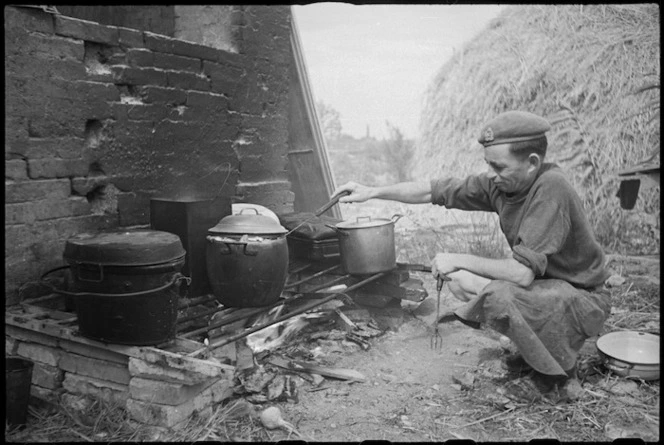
<point x="362" y="222"/>
<point x="248" y="222"/>
<point x="631" y="347"/>
<point x="124" y="248"/>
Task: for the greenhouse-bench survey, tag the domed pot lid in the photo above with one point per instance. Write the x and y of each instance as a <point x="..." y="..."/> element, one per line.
<point x="124" y="248"/>
<point x="248" y="222"/>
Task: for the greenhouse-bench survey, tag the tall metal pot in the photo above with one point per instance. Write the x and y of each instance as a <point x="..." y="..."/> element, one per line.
<point x="247" y="259"/>
<point x="366" y="245"/>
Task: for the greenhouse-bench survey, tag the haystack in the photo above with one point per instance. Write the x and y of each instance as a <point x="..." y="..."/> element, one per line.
<point x="592" y="70"/>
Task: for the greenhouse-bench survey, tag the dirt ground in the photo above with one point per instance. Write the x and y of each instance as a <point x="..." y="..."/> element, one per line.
<point x="414" y="393"/>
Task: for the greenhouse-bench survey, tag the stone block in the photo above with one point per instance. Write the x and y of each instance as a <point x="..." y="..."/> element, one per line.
<point x="171" y="415"/>
<point x="11" y="345"/>
<point x="171" y="96"/>
<point x="157" y="42"/>
<point x="57" y="168"/>
<point x="47" y="376"/>
<point x="16" y="169"/>
<point x="212" y="103"/>
<point x="46" y="394"/>
<point x="83" y="186"/>
<point x="187" y="81"/>
<point x="36" y="190"/>
<point x="91" y="351"/>
<point x="139" y="76"/>
<point x="65" y="148"/>
<point x="29" y="335"/>
<point x="99" y="369"/>
<point x="162" y="372"/>
<point x="29" y="19"/>
<point x="44" y="46"/>
<point x="130" y="37"/>
<point x="177" y="63"/>
<point x="166" y="393"/>
<point x="140" y="57"/>
<point x="86" y="30"/>
<point x="106" y="390"/>
<point x="39" y="353"/>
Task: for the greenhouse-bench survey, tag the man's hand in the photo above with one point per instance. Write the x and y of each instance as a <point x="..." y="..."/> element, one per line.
<point x="358" y="192"/>
<point x="444" y="264"/>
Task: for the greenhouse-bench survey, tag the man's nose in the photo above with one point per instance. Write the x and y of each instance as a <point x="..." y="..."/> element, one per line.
<point x="491" y="174"/>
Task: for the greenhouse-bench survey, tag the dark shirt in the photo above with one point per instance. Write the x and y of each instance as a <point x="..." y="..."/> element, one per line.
<point x="546" y="225"/>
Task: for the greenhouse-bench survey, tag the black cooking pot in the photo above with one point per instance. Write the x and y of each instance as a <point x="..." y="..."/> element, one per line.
<point x="124" y="285"/>
<point x="247" y="259"/>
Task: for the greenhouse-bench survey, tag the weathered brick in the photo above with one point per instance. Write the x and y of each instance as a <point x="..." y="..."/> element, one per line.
<point x="86" y="30"/>
<point x="175" y="62"/>
<point x="46" y="394"/>
<point x="98" y="369"/>
<point x="39" y="353"/>
<point x="187" y="81"/>
<point x="139" y="76"/>
<point x="16" y="169"/>
<point x="11" y="345"/>
<point x="54" y="47"/>
<point x="143" y="112"/>
<point x="140" y="57"/>
<point x="130" y="37"/>
<point x="223" y="78"/>
<point x="65" y="147"/>
<point x="57" y="168"/>
<point x="171" y="96"/>
<point x="94" y="352"/>
<point x="157" y="42"/>
<point x="82" y="186"/>
<point x="103" y="389"/>
<point x="35" y="190"/>
<point x="141" y="368"/>
<point x="165" y="393"/>
<point x="211" y="102"/>
<point x="32" y="19"/>
<point x="47" y="376"/>
<point x="29" y="335"/>
<point x="184" y="48"/>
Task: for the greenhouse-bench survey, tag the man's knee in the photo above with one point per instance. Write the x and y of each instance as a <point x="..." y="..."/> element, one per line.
<point x="498" y="295"/>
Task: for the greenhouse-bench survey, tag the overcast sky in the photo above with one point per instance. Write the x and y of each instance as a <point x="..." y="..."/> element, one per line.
<point x="373" y="63"/>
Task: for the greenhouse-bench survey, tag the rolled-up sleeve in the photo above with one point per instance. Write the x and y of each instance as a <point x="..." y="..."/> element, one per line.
<point x="471" y="193"/>
<point x="542" y="233"/>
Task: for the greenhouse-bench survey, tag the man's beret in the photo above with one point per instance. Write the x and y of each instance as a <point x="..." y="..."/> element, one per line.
<point x="513" y="126"/>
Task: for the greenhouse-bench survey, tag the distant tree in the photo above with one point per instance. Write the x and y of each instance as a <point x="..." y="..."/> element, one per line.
<point x="330" y="121"/>
<point x="398" y="152"/>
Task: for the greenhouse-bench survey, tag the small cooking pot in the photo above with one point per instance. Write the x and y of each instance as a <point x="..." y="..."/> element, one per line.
<point x="366" y="245"/>
<point x="630" y="354"/>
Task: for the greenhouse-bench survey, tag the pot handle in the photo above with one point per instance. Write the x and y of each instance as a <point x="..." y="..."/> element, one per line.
<point x="617" y="368"/>
<point x="396" y="217"/>
<point x="177" y="277"/>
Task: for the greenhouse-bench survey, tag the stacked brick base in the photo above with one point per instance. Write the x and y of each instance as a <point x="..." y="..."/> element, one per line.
<point x="155" y="386"/>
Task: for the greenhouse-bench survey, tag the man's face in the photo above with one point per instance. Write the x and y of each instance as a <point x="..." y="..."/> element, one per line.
<point x="508" y="173"/>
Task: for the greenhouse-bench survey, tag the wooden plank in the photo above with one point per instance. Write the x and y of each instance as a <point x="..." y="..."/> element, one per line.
<point x="337" y="373"/>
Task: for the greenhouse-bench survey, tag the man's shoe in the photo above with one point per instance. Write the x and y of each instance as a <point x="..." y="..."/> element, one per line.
<point x="517" y="364"/>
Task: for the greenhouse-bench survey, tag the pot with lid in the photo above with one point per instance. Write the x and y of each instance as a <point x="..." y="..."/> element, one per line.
<point x="247" y="259"/>
<point x="124" y="284"/>
<point x="367" y="245"/>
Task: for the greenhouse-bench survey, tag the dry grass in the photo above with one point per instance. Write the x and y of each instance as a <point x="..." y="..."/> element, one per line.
<point x="593" y="70"/>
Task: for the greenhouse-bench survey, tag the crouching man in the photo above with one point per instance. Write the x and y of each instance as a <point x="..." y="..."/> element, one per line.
<point x="548" y="297"/>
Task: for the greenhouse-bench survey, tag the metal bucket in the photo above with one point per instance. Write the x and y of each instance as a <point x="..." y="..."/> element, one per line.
<point x="18" y="379"/>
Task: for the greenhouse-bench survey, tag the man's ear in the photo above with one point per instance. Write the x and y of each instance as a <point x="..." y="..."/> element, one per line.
<point x="535" y="162"/>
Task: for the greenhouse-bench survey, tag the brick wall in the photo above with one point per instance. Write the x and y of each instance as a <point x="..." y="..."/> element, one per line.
<point x="101" y="118"/>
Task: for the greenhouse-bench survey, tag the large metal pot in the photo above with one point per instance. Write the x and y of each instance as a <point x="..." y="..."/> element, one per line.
<point x="366" y="245"/>
<point x="630" y="354"/>
<point x="247" y="259"/>
<point x="124" y="285"/>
